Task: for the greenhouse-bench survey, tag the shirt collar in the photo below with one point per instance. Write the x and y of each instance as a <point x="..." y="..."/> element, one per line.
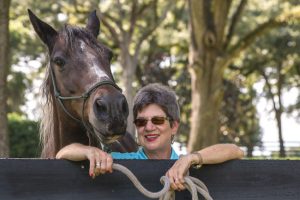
<point x="173" y="156"/>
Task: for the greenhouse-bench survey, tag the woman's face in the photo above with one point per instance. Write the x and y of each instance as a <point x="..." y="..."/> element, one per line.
<point x="155" y="138"/>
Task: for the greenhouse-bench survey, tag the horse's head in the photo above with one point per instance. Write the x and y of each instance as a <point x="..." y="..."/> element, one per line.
<point x="81" y="78"/>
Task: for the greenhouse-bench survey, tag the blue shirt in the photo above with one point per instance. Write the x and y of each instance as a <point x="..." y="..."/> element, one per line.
<point x="140" y="154"/>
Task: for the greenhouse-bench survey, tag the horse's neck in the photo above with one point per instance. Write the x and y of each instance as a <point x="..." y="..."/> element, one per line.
<point x="66" y="130"/>
<point x="70" y="131"/>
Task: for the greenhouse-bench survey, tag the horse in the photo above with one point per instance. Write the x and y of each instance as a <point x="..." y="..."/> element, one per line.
<point x="82" y="101"/>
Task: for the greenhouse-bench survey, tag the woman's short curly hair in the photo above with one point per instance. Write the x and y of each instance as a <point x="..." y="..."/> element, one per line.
<point x="161" y="95"/>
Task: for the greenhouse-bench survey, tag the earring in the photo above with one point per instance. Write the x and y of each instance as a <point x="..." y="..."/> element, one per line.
<point x="172" y="138"/>
<point x="137" y="141"/>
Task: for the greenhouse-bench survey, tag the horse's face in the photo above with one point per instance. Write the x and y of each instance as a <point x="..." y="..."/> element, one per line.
<point x="79" y="65"/>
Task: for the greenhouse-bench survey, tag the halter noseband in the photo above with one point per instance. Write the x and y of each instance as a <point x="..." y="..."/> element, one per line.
<point x="84" y="96"/>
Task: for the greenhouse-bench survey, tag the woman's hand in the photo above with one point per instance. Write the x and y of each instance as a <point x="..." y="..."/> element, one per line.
<point x="180" y="168"/>
<point x="100" y="161"/>
<point x="210" y="155"/>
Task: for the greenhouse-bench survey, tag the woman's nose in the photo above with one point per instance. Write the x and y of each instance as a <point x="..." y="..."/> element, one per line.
<point x="149" y="126"/>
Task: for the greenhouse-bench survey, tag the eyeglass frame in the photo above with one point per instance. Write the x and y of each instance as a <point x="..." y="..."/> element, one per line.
<point x="151" y="119"/>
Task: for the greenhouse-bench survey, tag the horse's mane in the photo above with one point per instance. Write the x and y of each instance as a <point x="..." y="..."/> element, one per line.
<point x="48" y="118"/>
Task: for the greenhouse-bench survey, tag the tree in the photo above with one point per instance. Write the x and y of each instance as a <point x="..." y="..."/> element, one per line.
<point x="277" y="67"/>
<point x="25" y="49"/>
<point x="212" y="48"/>
<point x="239" y="122"/>
<point x="4" y="66"/>
<point x="23" y="137"/>
<point x="130" y="23"/>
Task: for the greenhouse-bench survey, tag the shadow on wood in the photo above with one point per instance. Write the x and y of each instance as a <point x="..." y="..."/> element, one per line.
<point x="35" y="179"/>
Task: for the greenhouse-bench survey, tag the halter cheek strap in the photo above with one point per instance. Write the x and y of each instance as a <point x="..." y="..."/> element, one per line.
<point x="84" y="96"/>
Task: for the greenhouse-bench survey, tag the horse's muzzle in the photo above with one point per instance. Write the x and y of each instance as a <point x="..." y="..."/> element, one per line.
<point x="111" y="112"/>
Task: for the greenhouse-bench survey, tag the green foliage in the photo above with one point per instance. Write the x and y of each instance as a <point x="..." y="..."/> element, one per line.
<point x="238" y="117"/>
<point x="277" y="56"/>
<point x="16" y="80"/>
<point x="162" y="58"/>
<point x="24" y="139"/>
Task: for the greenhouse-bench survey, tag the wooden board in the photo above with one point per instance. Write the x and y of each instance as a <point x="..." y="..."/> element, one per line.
<point x="37" y="179"/>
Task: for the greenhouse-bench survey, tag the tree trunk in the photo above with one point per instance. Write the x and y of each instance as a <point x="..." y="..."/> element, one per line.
<point x="279" y="126"/>
<point x="206" y="101"/>
<point x="206" y="68"/>
<point x="277" y="106"/>
<point x="128" y="76"/>
<point x="250" y="149"/>
<point x="4" y="65"/>
<point x="210" y="52"/>
<point x="278" y="111"/>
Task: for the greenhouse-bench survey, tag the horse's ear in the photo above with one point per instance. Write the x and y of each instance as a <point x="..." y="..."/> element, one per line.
<point x="93" y="24"/>
<point x="44" y="31"/>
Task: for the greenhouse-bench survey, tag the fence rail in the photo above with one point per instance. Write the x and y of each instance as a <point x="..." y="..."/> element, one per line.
<point x="35" y="179"/>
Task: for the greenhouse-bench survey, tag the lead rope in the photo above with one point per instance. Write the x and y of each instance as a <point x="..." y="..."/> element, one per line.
<point x="193" y="184"/>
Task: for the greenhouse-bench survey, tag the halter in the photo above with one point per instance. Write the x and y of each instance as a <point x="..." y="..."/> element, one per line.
<point x="84" y="96"/>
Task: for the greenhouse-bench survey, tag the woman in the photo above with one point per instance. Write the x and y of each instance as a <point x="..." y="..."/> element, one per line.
<point x="157" y="117"/>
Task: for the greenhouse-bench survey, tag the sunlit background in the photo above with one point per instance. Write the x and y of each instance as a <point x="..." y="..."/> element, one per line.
<point x="164" y="57"/>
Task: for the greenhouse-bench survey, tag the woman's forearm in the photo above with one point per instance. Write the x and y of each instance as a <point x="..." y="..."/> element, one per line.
<point x="74" y="152"/>
<point x="220" y="153"/>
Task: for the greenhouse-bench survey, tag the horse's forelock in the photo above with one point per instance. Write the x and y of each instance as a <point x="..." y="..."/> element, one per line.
<point x="70" y="33"/>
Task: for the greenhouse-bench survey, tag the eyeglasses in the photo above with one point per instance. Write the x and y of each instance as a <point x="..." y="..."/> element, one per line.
<point x="156" y="120"/>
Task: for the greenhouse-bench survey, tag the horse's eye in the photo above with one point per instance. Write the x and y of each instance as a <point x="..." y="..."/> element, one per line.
<point x="59" y="61"/>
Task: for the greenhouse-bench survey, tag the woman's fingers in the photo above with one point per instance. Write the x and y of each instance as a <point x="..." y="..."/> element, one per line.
<point x="171" y="179"/>
<point x="177" y="172"/>
<point x="92" y="167"/>
<point x="176" y="183"/>
<point x="97" y="158"/>
<point x="106" y="163"/>
<point x="103" y="165"/>
<point x="179" y="184"/>
<point x="100" y="162"/>
<point x="109" y="161"/>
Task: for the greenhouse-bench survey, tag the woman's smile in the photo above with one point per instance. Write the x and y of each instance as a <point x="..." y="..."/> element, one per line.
<point x="151" y="137"/>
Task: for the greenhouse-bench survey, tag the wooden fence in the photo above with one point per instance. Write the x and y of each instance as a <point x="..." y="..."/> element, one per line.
<point x="37" y="179"/>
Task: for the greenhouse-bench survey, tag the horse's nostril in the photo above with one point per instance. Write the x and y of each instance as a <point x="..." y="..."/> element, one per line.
<point x="111" y="108"/>
<point x="100" y="107"/>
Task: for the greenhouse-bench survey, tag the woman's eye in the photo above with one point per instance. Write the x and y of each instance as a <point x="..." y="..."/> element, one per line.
<point x="59" y="61"/>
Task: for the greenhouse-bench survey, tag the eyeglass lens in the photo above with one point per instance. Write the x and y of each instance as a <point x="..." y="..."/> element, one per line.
<point x="157" y="120"/>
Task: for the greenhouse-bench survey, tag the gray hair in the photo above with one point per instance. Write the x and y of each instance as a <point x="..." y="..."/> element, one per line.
<point x="161" y="95"/>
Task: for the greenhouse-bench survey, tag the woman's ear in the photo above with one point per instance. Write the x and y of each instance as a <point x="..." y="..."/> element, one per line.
<point x="174" y="127"/>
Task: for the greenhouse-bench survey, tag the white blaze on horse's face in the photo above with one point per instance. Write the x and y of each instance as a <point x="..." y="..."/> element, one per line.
<point x="95" y="73"/>
<point x="82" y="46"/>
